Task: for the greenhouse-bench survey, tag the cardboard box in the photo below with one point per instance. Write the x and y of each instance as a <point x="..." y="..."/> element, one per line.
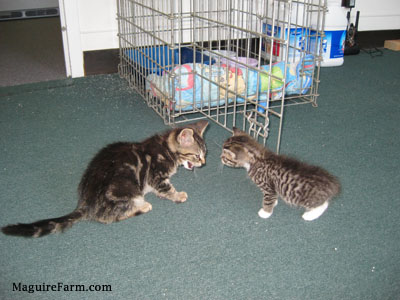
<point x="392" y="45"/>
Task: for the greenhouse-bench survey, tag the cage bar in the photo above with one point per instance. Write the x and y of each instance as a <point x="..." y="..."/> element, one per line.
<point x="238" y="63"/>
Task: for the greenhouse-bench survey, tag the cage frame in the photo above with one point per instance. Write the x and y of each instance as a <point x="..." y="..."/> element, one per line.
<point x="156" y="36"/>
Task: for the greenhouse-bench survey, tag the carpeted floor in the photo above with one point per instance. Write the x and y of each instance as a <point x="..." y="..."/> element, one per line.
<point x="31" y="50"/>
<point x="214" y="246"/>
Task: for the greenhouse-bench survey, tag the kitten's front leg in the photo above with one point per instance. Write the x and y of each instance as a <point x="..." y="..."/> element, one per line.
<point x="270" y="200"/>
<point x="166" y="190"/>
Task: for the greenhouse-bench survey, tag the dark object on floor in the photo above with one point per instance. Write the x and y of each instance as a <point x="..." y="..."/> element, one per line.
<point x="351" y="46"/>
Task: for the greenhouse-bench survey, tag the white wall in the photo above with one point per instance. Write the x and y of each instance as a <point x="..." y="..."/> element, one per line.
<point x="98" y="24"/>
<point x="378" y="15"/>
<point x="97" y="27"/>
<point x="71" y="35"/>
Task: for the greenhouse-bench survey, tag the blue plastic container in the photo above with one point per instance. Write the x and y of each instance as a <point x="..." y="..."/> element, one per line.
<point x="156" y="59"/>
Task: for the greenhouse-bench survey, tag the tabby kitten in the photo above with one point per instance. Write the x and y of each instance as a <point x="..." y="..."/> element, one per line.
<point x="276" y="175"/>
<point x="115" y="182"/>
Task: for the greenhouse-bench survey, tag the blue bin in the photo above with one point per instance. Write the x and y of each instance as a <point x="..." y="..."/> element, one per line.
<point x="162" y="57"/>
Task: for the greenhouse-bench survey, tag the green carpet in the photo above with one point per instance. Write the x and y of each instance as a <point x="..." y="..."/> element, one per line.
<point x="214" y="246"/>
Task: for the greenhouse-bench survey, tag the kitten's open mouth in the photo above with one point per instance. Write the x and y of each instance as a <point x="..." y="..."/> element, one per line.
<point x="188" y="165"/>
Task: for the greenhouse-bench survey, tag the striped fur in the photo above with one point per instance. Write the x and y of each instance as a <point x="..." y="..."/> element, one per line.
<point x="295" y="182"/>
<point x="116" y="180"/>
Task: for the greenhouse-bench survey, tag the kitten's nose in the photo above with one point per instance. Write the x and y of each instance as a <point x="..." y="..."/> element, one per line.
<point x="203" y="161"/>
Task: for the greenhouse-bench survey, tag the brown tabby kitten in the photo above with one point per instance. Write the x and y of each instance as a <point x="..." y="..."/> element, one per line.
<point x="115" y="183"/>
<point x="293" y="181"/>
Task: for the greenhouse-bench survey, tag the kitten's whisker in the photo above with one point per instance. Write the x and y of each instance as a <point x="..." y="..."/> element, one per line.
<point x="221" y="167"/>
<point x="220" y="146"/>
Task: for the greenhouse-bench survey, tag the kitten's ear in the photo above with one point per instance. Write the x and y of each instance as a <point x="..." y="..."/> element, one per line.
<point x="185" y="137"/>
<point x="200" y="126"/>
<point x="237" y="131"/>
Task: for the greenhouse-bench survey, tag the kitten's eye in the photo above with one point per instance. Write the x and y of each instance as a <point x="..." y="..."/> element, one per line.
<point x="197" y="156"/>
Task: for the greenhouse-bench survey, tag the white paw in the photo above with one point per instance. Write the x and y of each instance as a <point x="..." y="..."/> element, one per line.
<point x="181" y="197"/>
<point x="146" y="207"/>
<point x="308" y="216"/>
<point x="315" y="213"/>
<point x="263" y="214"/>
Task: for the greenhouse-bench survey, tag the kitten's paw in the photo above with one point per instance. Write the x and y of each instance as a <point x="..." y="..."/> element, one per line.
<point x="146" y="207"/>
<point x="263" y="214"/>
<point x="181" y="197"/>
<point x="309" y="216"/>
<point x="315" y="213"/>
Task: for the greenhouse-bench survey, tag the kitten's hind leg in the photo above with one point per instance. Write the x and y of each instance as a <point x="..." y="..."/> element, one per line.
<point x="121" y="207"/>
<point x="140" y="206"/>
<point x="270" y="200"/>
<point x="315" y="213"/>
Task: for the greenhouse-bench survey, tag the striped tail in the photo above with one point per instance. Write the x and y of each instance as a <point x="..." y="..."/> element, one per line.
<point x="44" y="227"/>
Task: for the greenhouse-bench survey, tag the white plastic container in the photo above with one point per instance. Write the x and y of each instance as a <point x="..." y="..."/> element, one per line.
<point x="295" y="35"/>
<point x="332" y="44"/>
<point x="335" y="34"/>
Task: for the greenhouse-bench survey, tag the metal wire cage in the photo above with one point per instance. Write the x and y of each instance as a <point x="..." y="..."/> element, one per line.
<point x="236" y="62"/>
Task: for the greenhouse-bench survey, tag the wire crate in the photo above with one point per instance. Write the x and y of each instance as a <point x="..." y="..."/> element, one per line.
<point x="236" y="62"/>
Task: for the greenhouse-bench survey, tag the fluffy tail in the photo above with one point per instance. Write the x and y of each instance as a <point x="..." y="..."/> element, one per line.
<point x="44" y="227"/>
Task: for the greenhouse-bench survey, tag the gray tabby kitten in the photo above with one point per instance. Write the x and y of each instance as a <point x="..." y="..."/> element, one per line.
<point x="119" y="176"/>
<point x="276" y="175"/>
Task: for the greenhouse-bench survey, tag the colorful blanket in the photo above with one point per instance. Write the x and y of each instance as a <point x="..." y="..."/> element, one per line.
<point x="207" y="86"/>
